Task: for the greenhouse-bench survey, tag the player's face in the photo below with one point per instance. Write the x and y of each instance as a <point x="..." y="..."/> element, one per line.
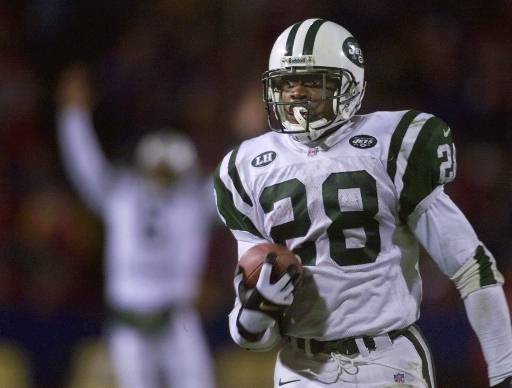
<point x="299" y="90"/>
<point x="161" y="175"/>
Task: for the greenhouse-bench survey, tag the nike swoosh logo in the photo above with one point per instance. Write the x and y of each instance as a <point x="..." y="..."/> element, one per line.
<point x="268" y="307"/>
<point x="281" y="383"/>
<point x="446" y="132"/>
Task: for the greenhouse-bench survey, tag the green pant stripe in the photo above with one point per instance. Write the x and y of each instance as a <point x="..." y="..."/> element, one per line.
<point x="396" y="141"/>
<point x="235" y="177"/>
<point x="426" y="362"/>
<point x="235" y="219"/>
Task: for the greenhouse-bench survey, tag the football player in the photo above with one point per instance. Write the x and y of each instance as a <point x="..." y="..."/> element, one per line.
<point x="353" y="196"/>
<point x="156" y="219"/>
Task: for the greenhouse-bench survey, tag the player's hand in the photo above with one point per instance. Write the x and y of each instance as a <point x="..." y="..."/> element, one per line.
<point x="74" y="88"/>
<point x="507" y="383"/>
<point x="270" y="298"/>
<point x="266" y="303"/>
<point x="279" y="293"/>
<point x="251" y="324"/>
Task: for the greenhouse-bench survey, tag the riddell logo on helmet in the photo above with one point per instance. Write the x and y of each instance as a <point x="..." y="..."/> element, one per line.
<point x="302" y="60"/>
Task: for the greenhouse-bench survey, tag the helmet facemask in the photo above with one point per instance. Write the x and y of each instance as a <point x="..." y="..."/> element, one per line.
<point x="336" y="96"/>
<point x="313" y="48"/>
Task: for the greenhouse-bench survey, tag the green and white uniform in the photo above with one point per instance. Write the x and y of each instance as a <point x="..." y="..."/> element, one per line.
<point x="355" y="209"/>
<point x="155" y="246"/>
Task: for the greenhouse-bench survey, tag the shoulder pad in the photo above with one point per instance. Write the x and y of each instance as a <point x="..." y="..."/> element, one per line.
<point x="421" y="157"/>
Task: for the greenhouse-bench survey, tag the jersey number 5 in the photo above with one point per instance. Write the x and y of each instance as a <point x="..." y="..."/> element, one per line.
<point x="349" y="200"/>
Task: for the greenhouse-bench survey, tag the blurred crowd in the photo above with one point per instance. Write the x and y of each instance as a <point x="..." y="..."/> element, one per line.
<point x="196" y="65"/>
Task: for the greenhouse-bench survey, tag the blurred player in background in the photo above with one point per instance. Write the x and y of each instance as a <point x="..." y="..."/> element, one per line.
<point x="353" y="196"/>
<point x="156" y="218"/>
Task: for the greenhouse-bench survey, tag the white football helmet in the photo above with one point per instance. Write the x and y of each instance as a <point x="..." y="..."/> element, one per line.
<point x="321" y="54"/>
<point x="166" y="154"/>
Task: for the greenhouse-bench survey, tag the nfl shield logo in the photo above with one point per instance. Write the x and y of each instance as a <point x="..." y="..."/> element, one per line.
<point x="399" y="378"/>
<point x="313" y="152"/>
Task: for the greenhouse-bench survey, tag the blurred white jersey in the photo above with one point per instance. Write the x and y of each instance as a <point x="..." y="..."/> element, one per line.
<point x="156" y="239"/>
<point x="343" y="206"/>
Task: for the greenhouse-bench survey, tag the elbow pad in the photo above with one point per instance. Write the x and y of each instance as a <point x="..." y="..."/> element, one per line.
<point x="478" y="272"/>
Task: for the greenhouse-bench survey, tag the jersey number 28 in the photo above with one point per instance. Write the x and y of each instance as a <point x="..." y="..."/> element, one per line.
<point x="351" y="220"/>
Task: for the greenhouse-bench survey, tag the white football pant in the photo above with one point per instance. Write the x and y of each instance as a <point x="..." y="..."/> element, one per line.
<point x="405" y="362"/>
<point x="179" y="356"/>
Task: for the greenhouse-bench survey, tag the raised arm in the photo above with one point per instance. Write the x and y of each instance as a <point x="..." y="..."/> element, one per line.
<point x="86" y="165"/>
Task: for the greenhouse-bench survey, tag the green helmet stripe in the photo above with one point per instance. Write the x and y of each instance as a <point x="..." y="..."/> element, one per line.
<point x="291" y="39"/>
<point x="309" y="42"/>
<point x="396" y="141"/>
<point x="235" y="177"/>
<point x="234" y="218"/>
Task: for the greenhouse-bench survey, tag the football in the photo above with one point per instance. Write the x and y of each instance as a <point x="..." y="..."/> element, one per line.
<point x="252" y="260"/>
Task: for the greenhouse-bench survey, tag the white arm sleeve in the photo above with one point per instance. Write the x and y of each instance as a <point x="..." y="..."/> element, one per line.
<point x="453" y="244"/>
<point x="84" y="161"/>
<point x="445" y="233"/>
<point x="489" y="317"/>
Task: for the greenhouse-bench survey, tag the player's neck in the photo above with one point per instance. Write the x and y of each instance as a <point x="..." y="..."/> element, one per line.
<point x="323" y="142"/>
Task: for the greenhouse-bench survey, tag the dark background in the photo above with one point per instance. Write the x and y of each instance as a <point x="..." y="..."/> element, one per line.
<point x="196" y="65"/>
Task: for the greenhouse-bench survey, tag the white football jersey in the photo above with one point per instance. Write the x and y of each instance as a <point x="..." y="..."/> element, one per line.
<point x="155" y="239"/>
<point x="156" y="243"/>
<point x="343" y="207"/>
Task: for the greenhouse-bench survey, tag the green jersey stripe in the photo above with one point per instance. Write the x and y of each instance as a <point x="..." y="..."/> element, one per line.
<point x="235" y="219"/>
<point x="421" y="175"/>
<point x="484" y="267"/>
<point x="396" y="141"/>
<point x="291" y="39"/>
<point x="408" y="141"/>
<point x="309" y="41"/>
<point x="235" y="177"/>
